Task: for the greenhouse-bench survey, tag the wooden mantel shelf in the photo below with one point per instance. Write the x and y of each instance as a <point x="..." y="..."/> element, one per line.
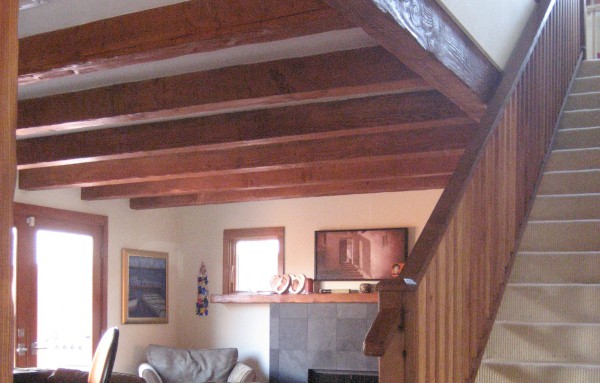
<point x="295" y="298"/>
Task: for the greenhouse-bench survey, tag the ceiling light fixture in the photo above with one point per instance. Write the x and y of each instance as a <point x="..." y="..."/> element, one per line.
<point x="28" y="4"/>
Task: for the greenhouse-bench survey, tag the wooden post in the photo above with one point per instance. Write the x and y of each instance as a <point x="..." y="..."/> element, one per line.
<point x="8" y="120"/>
<point x="391" y="336"/>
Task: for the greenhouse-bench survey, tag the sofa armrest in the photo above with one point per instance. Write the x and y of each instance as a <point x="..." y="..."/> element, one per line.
<point x="241" y="373"/>
<point x="146" y="371"/>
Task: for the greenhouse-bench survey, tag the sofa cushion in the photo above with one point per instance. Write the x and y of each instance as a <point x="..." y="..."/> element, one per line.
<point x="193" y="366"/>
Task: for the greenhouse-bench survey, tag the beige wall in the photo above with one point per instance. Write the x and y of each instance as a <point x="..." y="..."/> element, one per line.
<point x="494" y="25"/>
<point x="247" y="326"/>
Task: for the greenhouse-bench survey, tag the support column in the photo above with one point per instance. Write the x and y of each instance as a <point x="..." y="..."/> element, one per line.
<point x="8" y="119"/>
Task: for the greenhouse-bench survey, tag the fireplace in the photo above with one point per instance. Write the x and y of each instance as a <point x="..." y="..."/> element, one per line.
<point x="320" y="336"/>
<point x="341" y="376"/>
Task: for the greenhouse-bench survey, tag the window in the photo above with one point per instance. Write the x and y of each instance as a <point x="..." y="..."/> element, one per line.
<point x="251" y="257"/>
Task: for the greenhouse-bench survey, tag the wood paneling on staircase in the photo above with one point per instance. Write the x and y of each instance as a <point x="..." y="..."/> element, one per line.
<point x="448" y="293"/>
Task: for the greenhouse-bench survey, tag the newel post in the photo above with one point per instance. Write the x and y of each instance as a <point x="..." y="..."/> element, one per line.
<point x="392" y="361"/>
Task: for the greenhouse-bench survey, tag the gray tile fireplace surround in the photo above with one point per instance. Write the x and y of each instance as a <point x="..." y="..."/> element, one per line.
<point x="318" y="336"/>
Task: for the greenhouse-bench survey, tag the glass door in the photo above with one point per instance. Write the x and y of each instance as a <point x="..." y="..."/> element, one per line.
<point x="64" y="313"/>
<point x="58" y="286"/>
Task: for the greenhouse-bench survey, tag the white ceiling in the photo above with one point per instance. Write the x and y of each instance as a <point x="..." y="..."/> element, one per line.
<point x="59" y="14"/>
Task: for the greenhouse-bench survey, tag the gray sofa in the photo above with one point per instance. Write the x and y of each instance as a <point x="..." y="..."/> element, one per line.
<point x="172" y="365"/>
<point x="63" y="375"/>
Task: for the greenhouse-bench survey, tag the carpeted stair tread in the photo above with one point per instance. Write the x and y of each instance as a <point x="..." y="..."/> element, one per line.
<point x="577" y="138"/>
<point x="562" y="343"/>
<point x="590" y="100"/>
<point x="574" y="159"/>
<point x="580" y="119"/>
<point x="589" y="84"/>
<point x="556" y="267"/>
<point x="496" y="372"/>
<point x="561" y="236"/>
<point x="566" y="207"/>
<point x="570" y="182"/>
<point x="551" y="303"/>
<point x="589" y="68"/>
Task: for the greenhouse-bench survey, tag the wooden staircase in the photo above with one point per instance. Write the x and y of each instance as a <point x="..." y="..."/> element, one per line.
<point x="548" y="325"/>
<point x="435" y="320"/>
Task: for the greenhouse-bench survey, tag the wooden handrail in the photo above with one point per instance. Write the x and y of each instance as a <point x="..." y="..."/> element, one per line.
<point x="449" y="291"/>
<point x="383" y="324"/>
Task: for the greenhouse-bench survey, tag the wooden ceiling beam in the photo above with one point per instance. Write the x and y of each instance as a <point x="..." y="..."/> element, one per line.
<point x="427" y="40"/>
<point x="353" y="187"/>
<point x="180" y="29"/>
<point x="432" y="164"/>
<point x="252" y="157"/>
<point x="351" y="73"/>
<point x="311" y="121"/>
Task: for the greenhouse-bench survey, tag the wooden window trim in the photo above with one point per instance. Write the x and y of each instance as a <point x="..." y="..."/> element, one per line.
<point x="232" y="236"/>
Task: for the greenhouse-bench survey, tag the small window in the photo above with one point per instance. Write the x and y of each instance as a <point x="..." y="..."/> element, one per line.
<point x="251" y="257"/>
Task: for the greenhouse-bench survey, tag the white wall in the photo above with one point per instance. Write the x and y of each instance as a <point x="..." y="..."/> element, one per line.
<point x="147" y="230"/>
<point x="494" y="25"/>
<point x="246" y="326"/>
<point x="592" y="40"/>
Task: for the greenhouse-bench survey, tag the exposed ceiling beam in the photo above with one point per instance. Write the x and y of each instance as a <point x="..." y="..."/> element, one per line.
<point x="251" y="157"/>
<point x="354" y="187"/>
<point x="430" y="43"/>
<point x="431" y="164"/>
<point x="351" y="73"/>
<point x="312" y="121"/>
<point x="166" y="32"/>
<point x="362" y="120"/>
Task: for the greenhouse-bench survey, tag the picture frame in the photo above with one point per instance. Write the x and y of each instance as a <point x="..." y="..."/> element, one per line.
<point x="362" y="254"/>
<point x="145" y="286"/>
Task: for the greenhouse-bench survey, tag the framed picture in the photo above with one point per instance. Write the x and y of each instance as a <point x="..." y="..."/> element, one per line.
<point x="145" y="286"/>
<point x="367" y="254"/>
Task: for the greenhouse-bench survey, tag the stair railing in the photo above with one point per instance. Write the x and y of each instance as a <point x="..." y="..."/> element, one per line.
<point x="434" y="321"/>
